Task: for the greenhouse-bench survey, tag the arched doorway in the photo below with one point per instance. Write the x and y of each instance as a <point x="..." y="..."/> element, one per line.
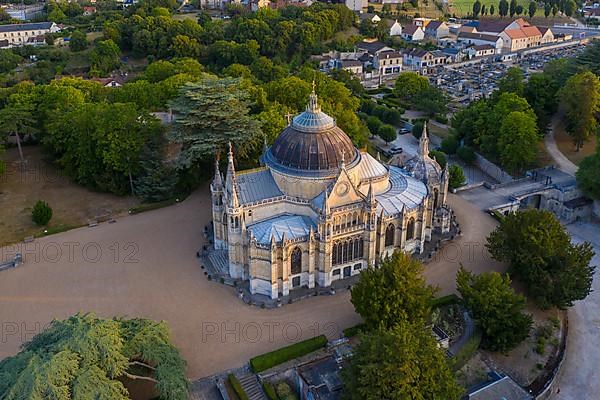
<point x="410" y="229"/>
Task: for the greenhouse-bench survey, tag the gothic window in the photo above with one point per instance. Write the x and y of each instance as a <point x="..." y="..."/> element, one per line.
<point x="334" y="258"/>
<point x="410" y="229"/>
<point x="435" y="198"/>
<point x="345" y="256"/>
<point x="356" y="251"/>
<point x="296" y="261"/>
<point x="389" y="235"/>
<point x="355" y="218"/>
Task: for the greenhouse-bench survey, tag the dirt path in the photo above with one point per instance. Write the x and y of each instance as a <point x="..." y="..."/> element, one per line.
<point x="562" y="162"/>
<point x="145" y="265"/>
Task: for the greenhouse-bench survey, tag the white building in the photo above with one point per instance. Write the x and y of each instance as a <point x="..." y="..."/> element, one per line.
<point x="413" y="33"/>
<point x="21" y="34"/>
<point x="396" y="29"/>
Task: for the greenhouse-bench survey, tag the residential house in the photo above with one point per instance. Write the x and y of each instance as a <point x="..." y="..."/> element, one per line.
<point x="354" y="66"/>
<point x="483" y="50"/>
<point x="454" y="55"/>
<point x="372" y="47"/>
<point x="388" y="63"/>
<point x="374" y="18"/>
<point x="396" y="29"/>
<point x="423" y="61"/>
<point x="437" y="30"/>
<point x="521" y="38"/>
<point x="469" y="38"/>
<point x="422" y="22"/>
<point x="413" y="33"/>
<point x="114" y="81"/>
<point x="20" y="34"/>
<point x="547" y="35"/>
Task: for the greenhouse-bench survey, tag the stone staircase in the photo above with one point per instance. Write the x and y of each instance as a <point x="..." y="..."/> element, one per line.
<point x="251" y="386"/>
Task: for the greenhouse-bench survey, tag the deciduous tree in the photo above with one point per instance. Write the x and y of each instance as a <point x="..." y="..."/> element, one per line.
<point x="496" y="306"/>
<point x="518" y="141"/>
<point x="401" y="363"/>
<point x="540" y="253"/>
<point x="393" y="292"/>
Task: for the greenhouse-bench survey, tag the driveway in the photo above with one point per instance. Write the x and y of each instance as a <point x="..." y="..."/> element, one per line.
<point x="580" y="371"/>
<point x="144" y="265"/>
<point x="562" y="162"/>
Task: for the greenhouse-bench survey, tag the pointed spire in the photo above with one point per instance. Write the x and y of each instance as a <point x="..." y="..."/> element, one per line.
<point x="424" y="142"/>
<point x="230" y="154"/>
<point x="273" y="241"/>
<point x="371" y="194"/>
<point x="217" y="181"/>
<point x="313" y="105"/>
<point x="343" y="160"/>
<point x="326" y="209"/>
<point x="378" y="157"/>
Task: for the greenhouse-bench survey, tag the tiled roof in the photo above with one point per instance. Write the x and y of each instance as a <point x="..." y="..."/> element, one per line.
<point x="410" y="29"/>
<point x="371" y="47"/>
<point x="484" y="47"/>
<point x="531" y="31"/>
<point x="256" y="185"/>
<point x="434" y="25"/>
<point x="351" y="63"/>
<point x="479" y="36"/>
<point x="292" y="226"/>
<point x="405" y="192"/>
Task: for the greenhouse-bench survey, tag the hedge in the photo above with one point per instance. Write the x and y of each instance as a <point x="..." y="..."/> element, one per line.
<point x="152" y="206"/>
<point x="269" y="391"/>
<point x="269" y="360"/>
<point x="354" y="330"/>
<point x="237" y="387"/>
<point x="467" y="351"/>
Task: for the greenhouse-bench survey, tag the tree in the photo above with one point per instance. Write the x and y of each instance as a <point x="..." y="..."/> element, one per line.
<point x="18" y="120"/>
<point x="512" y="82"/>
<point x="570" y="7"/>
<point x="476" y="8"/>
<point x="213" y="112"/>
<point x="2" y="163"/>
<point x="581" y="101"/>
<point x="8" y="60"/>
<point x="105" y="58"/>
<point x="547" y="9"/>
<point x="518" y="141"/>
<point x="497" y="308"/>
<point x="588" y="178"/>
<point x="540" y="253"/>
<point x="554" y="10"/>
<point x="457" y="176"/>
<point x="503" y="8"/>
<point x="401" y="363"/>
<point x="185" y="46"/>
<point x="85" y="357"/>
<point x="78" y="41"/>
<point x="492" y="9"/>
<point x="387" y="133"/>
<point x="532" y="8"/>
<point x="449" y="145"/>
<point x="467" y="154"/>
<point x="417" y="129"/>
<point x="410" y="84"/>
<point x="589" y="59"/>
<point x="513" y="8"/>
<point x="540" y="92"/>
<point x="41" y="213"/>
<point x="519" y="9"/>
<point x="392" y="293"/>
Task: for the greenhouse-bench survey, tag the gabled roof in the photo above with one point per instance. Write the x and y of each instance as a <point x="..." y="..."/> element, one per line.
<point x="416" y="52"/>
<point x="493" y="25"/>
<point x="389" y="54"/>
<point x="256" y="185"/>
<point x="411" y="29"/>
<point x="434" y="25"/>
<point x="531" y="31"/>
<point x="350" y="63"/>
<point x="484" y="47"/>
<point x="371" y="47"/>
<point x="292" y="226"/>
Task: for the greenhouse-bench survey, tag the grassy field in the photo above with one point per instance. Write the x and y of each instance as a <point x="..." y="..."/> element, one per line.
<point x="72" y="205"/>
<point x="566" y="146"/>
<point x="464" y="7"/>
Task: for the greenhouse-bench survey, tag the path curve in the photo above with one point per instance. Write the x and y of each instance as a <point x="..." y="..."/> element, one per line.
<point x="562" y="162"/>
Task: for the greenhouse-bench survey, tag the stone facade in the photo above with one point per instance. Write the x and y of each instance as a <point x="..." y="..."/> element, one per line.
<point x="314" y="213"/>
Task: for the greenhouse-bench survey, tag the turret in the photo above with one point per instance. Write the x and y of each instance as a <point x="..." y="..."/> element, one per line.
<point x="424" y="143"/>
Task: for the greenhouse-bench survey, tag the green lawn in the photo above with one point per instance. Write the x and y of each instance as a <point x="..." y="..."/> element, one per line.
<point x="464" y="7"/>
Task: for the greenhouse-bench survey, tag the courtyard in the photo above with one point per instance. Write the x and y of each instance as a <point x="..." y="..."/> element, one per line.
<point x="144" y="265"/>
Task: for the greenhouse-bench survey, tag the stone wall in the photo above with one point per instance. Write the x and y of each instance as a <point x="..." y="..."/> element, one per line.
<point x="492" y="169"/>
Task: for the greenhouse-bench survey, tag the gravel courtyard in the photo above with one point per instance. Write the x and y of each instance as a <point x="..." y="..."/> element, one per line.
<point x="145" y="265"/>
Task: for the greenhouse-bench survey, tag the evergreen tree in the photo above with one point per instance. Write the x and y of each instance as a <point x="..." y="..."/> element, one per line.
<point x="212" y="113"/>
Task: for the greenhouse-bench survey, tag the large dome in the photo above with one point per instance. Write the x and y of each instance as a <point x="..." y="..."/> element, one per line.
<point x="312" y="142"/>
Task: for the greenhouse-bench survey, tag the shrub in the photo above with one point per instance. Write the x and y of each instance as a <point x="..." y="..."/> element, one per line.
<point x="41" y="213"/>
<point x="285" y="392"/>
<point x="438" y="156"/>
<point x="449" y="145"/>
<point x="379" y="111"/>
<point x="373" y="123"/>
<point x="442" y="119"/>
<point x="467" y="154"/>
<point x="237" y="387"/>
<point x="392" y="116"/>
<point x="445" y="300"/>
<point x="417" y="129"/>
<point x="457" y="177"/>
<point x="273" y="358"/>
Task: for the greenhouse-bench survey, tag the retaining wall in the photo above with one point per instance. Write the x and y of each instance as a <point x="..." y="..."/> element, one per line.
<point x="492" y="169"/>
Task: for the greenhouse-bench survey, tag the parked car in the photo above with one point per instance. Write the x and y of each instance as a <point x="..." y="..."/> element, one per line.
<point x="403" y="131"/>
<point x="396" y="150"/>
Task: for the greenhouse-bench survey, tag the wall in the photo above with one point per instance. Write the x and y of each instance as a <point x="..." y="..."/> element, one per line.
<point x="492" y="169"/>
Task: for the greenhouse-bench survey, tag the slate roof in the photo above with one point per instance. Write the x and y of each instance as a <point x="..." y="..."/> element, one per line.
<point x="293" y="226"/>
<point x="371" y="47"/>
<point x="502" y="389"/>
<point x="25" y="27"/>
<point x="433" y="25"/>
<point x="256" y="185"/>
<point x="369" y="168"/>
<point x="404" y="191"/>
<point x="480" y="36"/>
<point x="410" y="29"/>
<point x="484" y="47"/>
<point x="351" y="63"/>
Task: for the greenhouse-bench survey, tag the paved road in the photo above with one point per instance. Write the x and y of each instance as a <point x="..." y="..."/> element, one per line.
<point x="581" y="369"/>
<point x="562" y="162"/>
<point x="144" y="265"/>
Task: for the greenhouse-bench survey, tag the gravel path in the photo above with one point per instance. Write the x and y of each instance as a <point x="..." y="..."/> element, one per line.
<point x="562" y="162"/>
<point x="145" y="265"/>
